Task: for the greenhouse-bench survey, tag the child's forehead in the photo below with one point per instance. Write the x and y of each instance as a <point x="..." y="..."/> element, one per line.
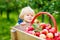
<point x="31" y="13"/>
<point x="28" y="10"/>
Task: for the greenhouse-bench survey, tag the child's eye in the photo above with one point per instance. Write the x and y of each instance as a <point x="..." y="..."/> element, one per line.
<point x="27" y="15"/>
<point x="32" y="15"/>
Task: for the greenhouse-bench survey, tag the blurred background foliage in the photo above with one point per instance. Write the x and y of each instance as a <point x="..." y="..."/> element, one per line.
<point x="10" y="10"/>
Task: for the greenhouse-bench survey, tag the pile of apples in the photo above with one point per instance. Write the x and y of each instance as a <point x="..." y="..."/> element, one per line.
<point x="48" y="32"/>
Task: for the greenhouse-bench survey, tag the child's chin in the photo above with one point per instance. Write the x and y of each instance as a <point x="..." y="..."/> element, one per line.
<point x="29" y="21"/>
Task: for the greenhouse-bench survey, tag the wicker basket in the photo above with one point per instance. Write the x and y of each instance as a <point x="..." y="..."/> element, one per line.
<point x="17" y="34"/>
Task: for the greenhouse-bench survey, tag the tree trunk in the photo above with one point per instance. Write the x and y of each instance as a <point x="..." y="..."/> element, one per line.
<point x="1" y="12"/>
<point x="42" y="18"/>
<point x="8" y="14"/>
<point x="17" y="10"/>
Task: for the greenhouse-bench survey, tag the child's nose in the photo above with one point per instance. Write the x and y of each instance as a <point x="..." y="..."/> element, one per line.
<point x="30" y="16"/>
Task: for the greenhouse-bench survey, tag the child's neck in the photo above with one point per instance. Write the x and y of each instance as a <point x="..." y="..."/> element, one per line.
<point x="27" y="22"/>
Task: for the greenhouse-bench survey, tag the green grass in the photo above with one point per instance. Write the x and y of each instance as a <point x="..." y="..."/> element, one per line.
<point x="6" y="24"/>
<point x="5" y="28"/>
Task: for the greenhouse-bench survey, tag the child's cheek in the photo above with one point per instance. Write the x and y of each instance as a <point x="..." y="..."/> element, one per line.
<point x="25" y="17"/>
<point x="32" y="17"/>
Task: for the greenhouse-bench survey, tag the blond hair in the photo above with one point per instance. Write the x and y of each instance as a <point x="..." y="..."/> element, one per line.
<point x="24" y="11"/>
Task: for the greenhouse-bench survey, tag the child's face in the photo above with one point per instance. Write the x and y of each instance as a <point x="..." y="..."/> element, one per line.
<point x="28" y="17"/>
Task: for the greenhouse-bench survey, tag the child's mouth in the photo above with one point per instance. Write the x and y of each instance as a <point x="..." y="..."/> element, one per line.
<point x="30" y="19"/>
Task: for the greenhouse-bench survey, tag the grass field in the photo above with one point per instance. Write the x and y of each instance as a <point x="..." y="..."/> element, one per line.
<point x="5" y="24"/>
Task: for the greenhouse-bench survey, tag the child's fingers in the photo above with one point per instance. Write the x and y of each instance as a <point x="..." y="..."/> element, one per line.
<point x="23" y="24"/>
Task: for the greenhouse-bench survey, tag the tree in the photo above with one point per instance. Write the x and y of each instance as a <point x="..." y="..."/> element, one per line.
<point x="2" y="6"/>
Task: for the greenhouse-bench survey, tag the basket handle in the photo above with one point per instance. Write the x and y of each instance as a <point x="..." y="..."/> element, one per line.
<point x="53" y="20"/>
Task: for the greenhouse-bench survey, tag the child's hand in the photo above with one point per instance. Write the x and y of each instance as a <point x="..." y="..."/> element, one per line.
<point x="23" y="24"/>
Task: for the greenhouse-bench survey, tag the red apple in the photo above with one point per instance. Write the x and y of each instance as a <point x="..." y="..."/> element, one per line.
<point x="52" y="30"/>
<point x="30" y="28"/>
<point x="50" y="35"/>
<point x="56" y="34"/>
<point x="48" y="27"/>
<point x="58" y="38"/>
<point x="44" y="31"/>
<point x="59" y="33"/>
<point x="37" y="34"/>
<point x="43" y="25"/>
<point x="42" y="36"/>
<point x="31" y="32"/>
<point x="49" y="39"/>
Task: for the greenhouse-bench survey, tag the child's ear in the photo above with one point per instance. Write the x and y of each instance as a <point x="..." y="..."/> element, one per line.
<point x="23" y="18"/>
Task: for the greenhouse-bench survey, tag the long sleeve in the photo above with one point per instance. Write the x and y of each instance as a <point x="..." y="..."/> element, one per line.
<point x="20" y="20"/>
